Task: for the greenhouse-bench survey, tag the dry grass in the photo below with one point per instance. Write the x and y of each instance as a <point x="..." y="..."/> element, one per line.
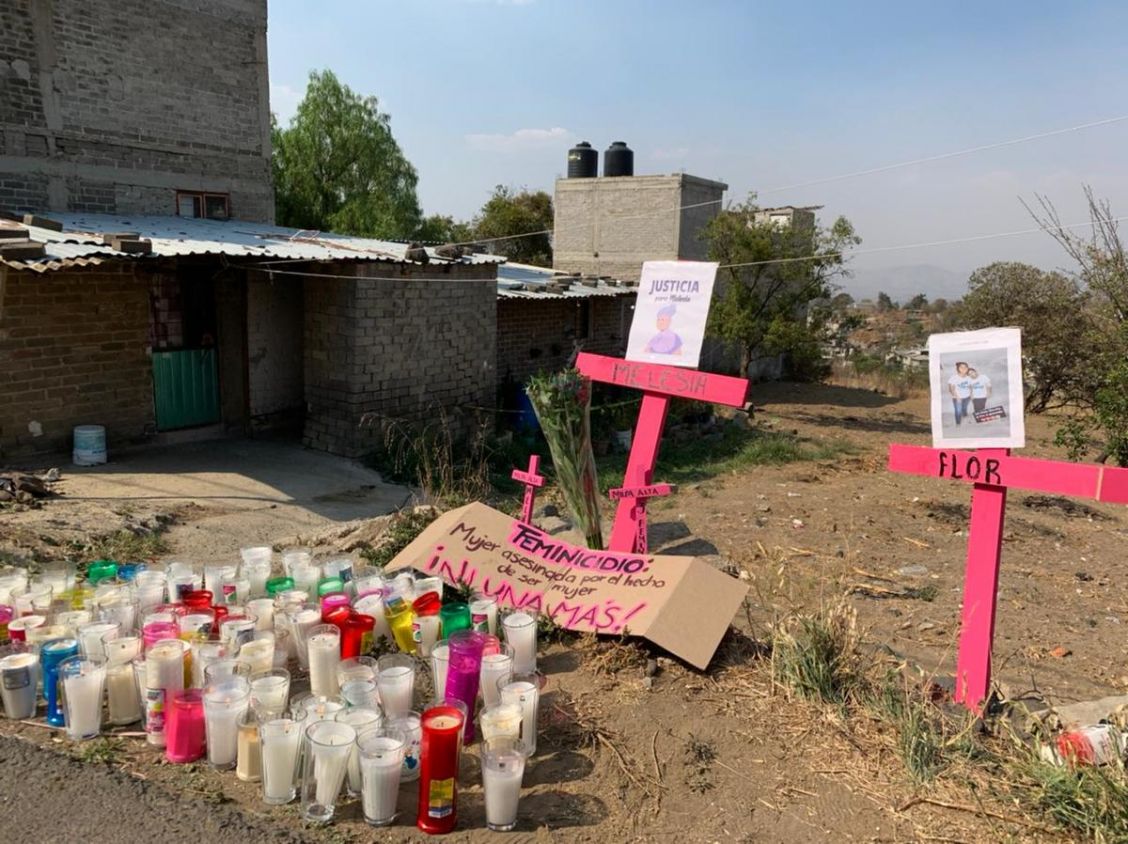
<point x="608" y="657"/>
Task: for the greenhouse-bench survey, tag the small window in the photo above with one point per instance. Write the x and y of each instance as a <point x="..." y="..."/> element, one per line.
<point x="583" y="321"/>
<point x="213" y="206"/>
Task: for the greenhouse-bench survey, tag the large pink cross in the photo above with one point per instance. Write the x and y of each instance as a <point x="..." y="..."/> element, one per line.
<point x="992" y="471"/>
<point x="659" y="384"/>
<point x="532" y="482"/>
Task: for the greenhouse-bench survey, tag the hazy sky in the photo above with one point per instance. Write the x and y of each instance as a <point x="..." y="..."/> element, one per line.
<point x="758" y="94"/>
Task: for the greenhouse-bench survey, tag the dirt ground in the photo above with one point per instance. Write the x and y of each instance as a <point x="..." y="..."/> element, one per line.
<point x="638" y="750"/>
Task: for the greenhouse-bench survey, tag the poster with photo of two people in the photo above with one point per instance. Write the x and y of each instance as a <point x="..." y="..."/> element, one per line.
<point x="975" y="381"/>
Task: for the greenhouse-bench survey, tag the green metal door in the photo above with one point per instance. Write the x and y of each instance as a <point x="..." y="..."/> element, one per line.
<point x="186" y="388"/>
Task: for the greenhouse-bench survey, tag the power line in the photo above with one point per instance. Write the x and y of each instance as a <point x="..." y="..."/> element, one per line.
<point x="949" y="242"/>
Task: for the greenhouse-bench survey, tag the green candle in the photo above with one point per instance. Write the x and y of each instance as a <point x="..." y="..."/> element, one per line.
<point x="454" y="617"/>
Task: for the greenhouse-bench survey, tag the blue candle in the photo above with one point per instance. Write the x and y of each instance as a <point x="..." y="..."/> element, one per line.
<point x="51" y="653"/>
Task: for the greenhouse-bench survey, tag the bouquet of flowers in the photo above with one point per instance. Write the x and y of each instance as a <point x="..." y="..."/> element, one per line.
<point x="562" y="402"/>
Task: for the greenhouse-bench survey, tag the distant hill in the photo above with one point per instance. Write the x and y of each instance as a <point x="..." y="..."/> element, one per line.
<point x="902" y="283"/>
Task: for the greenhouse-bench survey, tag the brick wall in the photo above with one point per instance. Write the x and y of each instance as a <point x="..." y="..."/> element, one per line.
<point x="611" y="226"/>
<point x="395" y="342"/>
<point x="113" y="105"/>
<point x="538" y="334"/>
<point x="275" y="349"/>
<point x="73" y="351"/>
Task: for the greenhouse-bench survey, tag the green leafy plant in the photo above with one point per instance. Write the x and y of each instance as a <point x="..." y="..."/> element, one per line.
<point x="562" y="402"/>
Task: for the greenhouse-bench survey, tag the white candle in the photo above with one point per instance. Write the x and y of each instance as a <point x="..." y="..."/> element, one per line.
<point x="397" y="686"/>
<point x="259" y="653"/>
<point x="324" y="657"/>
<point x="361" y="693"/>
<point x="525" y="695"/>
<point x="425" y="632"/>
<point x="411" y="725"/>
<point x="83" y="684"/>
<point x="263" y="611"/>
<point x="248" y="768"/>
<point x="164" y="673"/>
<point x="440" y="662"/>
<point x="501" y="779"/>
<point x="121" y="690"/>
<point x="373" y="605"/>
<point x="281" y="739"/>
<point x="294" y="557"/>
<point x="301" y="623"/>
<point x="256" y="568"/>
<point x="502" y="720"/>
<point x="236" y="632"/>
<point x="72" y="620"/>
<point x="521" y="634"/>
<point x="360" y="720"/>
<point x="495" y="667"/>
<point x="269" y="692"/>
<point x="327" y="746"/>
<point x="224" y="704"/>
<point x="213" y="580"/>
<point x="306" y="577"/>
<point x="483" y="615"/>
<point x="380" y="766"/>
<point x="19" y="676"/>
<point x="203" y="655"/>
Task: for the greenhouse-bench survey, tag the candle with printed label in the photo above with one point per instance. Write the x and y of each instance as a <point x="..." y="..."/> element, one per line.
<point x="483" y="615"/>
<point x="381" y="757"/>
<point x="440" y="747"/>
<point x="19" y="676"/>
<point x="411" y="727"/>
<point x="51" y="655"/>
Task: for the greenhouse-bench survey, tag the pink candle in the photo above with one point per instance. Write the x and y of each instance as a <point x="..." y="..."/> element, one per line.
<point x="154" y="631"/>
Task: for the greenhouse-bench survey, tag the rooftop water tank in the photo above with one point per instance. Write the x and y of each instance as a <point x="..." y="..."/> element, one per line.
<point x="583" y="161"/>
<point x="618" y="160"/>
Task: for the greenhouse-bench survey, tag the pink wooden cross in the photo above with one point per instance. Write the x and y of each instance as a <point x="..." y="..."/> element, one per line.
<point x="640" y="495"/>
<point x="992" y="471"/>
<point x="658" y="384"/>
<point x="532" y="482"/>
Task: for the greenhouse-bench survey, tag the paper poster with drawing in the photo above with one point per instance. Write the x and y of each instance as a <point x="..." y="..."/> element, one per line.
<point x="670" y="314"/>
<point x="975" y="380"/>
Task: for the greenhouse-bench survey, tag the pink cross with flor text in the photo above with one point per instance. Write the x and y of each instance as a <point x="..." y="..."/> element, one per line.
<point x="992" y="471"/>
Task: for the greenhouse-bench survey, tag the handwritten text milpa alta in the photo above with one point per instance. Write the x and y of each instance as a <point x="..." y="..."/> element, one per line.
<point x="548" y="576"/>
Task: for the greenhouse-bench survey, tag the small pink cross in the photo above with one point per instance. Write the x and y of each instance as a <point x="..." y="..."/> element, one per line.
<point x="532" y="482"/>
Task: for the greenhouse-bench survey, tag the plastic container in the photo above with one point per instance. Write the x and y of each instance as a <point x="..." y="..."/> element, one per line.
<point x="89" y="445"/>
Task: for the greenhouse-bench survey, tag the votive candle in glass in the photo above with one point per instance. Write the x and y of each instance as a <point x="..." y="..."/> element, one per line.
<point x="52" y="653"/>
<point x="203" y="655"/>
<point x="226" y="668"/>
<point x="279" y="584"/>
<point x="370" y="582"/>
<point x="356" y="668"/>
<point x="381" y="762"/>
<point x="361" y="720"/>
<point x="410" y="726"/>
<point x="440" y="662"/>
<point x="18" y="627"/>
<point x="263" y="611"/>
<point x="225" y="702"/>
<point x="500" y="720"/>
<point x="185" y="731"/>
<point x="213" y="580"/>
<point x="236" y="632"/>
<point x="324" y="645"/>
<point x="159" y="625"/>
<point x="270" y="690"/>
<point x="91" y="635"/>
<point x="454" y="617"/>
<point x="302" y="621"/>
<point x="84" y="682"/>
<point x="521" y="634"/>
<point x="306" y="577"/>
<point x="524" y="691"/>
<point x="332" y="601"/>
<point x="164" y="674"/>
<point x="19" y="678"/>
<point x="483" y="615"/>
<point x="197" y="625"/>
<point x="72" y="620"/>
<point x="398" y="614"/>
<point x="464" y="672"/>
<point x="395" y="678"/>
<point x="356" y="628"/>
<point x="257" y="562"/>
<point x="373" y="605"/>
<point x="502" y="769"/>
<point x="441" y="747"/>
<point x="259" y="652"/>
<point x="292" y="557"/>
<point x="281" y="740"/>
<point x="360" y="693"/>
<point x="327" y="748"/>
<point x="122" y="699"/>
<point x="198" y="599"/>
<point x="426" y="624"/>
<point x="248" y="765"/>
<point x="496" y="667"/>
<point x="340" y="567"/>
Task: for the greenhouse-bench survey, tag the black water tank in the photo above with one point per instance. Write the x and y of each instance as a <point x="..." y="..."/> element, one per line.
<point x="618" y="160"/>
<point x="583" y="161"/>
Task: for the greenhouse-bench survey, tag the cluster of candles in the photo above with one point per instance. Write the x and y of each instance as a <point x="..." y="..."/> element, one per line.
<point x="204" y="659"/>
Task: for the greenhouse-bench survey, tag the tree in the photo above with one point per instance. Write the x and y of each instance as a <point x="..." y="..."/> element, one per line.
<point x="439" y="228"/>
<point x="337" y="167"/>
<point x="885" y="302"/>
<point x="780" y="270"/>
<point x="918" y="302"/>
<point x="507" y="213"/>
<point x="1102" y="340"/>
<point x="1051" y="310"/>
<point x="840" y="303"/>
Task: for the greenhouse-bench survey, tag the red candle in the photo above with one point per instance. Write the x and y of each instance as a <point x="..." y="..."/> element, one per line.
<point x="331" y="604"/>
<point x="185" y="739"/>
<point x="438" y="769"/>
<point x="353" y="630"/>
<point x="198" y="599"/>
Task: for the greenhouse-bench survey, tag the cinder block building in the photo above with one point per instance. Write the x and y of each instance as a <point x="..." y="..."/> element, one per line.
<point x="609" y="225"/>
<point x="135" y="107"/>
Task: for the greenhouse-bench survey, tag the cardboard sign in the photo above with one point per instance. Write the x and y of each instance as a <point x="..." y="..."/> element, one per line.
<point x="679" y="603"/>
<point x="976" y="385"/>
<point x="670" y="313"/>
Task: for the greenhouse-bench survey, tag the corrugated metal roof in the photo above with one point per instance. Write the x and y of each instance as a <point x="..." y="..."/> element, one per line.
<point x="183" y="236"/>
<point x="523" y="281"/>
